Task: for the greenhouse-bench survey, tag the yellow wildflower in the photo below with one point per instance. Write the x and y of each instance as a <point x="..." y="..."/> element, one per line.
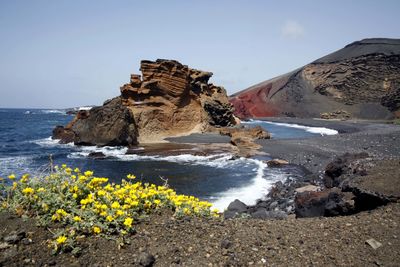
<point x="131" y="176"/>
<point x="109" y="218"/>
<point x="77" y="219"/>
<point x="120" y="213"/>
<point x="24" y="178"/>
<point x="128" y="222"/>
<point x="101" y="193"/>
<point x="77" y="170"/>
<point x="61" y="239"/>
<point x="115" y="205"/>
<point x="41" y="189"/>
<point x="28" y="191"/>
<point x="11" y="177"/>
<point x="96" y="230"/>
<point x="88" y="173"/>
<point x="75" y="195"/>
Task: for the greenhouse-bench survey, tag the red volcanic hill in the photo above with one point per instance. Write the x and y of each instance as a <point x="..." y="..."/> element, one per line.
<point x="362" y="80"/>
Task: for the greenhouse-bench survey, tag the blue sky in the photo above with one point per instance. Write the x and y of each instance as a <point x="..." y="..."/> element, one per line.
<point x="57" y="54"/>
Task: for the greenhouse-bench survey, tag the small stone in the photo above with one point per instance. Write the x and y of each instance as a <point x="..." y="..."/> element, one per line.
<point x="14" y="237"/>
<point x="373" y="243"/>
<point x="146" y="259"/>
<point x="26" y="241"/>
<point x="276" y="162"/>
<point x="4" y="245"/>
<point x="225" y="243"/>
<point x="307" y="188"/>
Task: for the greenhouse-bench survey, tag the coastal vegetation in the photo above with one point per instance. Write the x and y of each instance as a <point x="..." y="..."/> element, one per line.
<point x="80" y="204"/>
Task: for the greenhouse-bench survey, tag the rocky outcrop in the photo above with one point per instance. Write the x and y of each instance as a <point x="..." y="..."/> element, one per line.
<point x="168" y="99"/>
<point x="353" y="183"/>
<point x="109" y="125"/>
<point x="243" y="138"/>
<point x="361" y="79"/>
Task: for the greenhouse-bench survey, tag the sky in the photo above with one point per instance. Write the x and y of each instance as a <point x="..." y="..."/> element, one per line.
<point x="66" y="53"/>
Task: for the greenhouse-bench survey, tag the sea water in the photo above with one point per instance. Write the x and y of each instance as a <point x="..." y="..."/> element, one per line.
<point x="26" y="146"/>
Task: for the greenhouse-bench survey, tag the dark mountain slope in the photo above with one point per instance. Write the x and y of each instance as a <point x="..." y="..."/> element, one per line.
<point x="362" y="79"/>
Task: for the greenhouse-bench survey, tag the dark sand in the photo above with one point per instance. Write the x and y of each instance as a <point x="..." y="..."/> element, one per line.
<point x="380" y="140"/>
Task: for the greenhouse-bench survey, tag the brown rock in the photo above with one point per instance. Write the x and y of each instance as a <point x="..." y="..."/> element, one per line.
<point x="64" y="134"/>
<point x="168" y="99"/>
<point x="276" y="162"/>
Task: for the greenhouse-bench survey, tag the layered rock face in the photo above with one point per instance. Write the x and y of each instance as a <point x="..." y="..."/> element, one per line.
<point x="361" y="79"/>
<point x="168" y="99"/>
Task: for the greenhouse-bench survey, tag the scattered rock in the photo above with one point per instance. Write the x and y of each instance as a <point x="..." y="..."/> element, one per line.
<point x="97" y="155"/>
<point x="373" y="243"/>
<point x="4" y="245"/>
<point x="339" y="166"/>
<point x="225" y="244"/>
<point x="329" y="202"/>
<point x="235" y="208"/>
<point x="277" y="162"/>
<point x="145" y="259"/>
<point x="338" y="114"/>
<point x="307" y="188"/>
<point x="14" y="237"/>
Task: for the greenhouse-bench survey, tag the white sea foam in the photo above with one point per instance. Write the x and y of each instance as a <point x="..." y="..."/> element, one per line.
<point x="17" y="164"/>
<point x="257" y="189"/>
<point x="119" y="153"/>
<point x="85" y="108"/>
<point x="48" y="142"/>
<point x="52" y="111"/>
<point x="315" y="130"/>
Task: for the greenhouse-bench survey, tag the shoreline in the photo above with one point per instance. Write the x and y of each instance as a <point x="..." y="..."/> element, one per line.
<point x="317" y="241"/>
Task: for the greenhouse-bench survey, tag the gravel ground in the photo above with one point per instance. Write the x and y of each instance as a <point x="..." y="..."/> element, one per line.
<point x="339" y="241"/>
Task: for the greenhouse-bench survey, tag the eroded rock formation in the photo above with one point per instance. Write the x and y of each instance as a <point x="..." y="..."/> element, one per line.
<point x="361" y="79"/>
<point x="168" y="99"/>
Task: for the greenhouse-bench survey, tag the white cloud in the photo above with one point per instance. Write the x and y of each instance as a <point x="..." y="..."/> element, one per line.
<point x="292" y="29"/>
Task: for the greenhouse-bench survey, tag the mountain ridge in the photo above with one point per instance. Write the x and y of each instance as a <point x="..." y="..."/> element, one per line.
<point x="362" y="79"/>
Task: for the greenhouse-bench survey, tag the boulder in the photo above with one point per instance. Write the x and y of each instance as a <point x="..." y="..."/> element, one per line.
<point x="277" y="162"/>
<point x="310" y="187"/>
<point x="244" y="138"/>
<point x="234" y="209"/>
<point x="65" y="135"/>
<point x="329" y="202"/>
<point x="109" y="125"/>
<point x="339" y="166"/>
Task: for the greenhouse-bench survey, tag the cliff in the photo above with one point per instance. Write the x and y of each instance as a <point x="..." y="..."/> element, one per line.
<point x="362" y="80"/>
<point x="168" y="99"/>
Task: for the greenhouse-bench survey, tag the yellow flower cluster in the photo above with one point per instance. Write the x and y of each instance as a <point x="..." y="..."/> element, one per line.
<point x="88" y="204"/>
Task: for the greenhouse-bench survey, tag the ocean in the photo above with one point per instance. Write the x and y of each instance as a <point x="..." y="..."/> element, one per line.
<point x="26" y="146"/>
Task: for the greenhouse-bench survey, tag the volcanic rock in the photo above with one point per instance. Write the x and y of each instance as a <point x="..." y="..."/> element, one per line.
<point x="342" y="165"/>
<point x="168" y="99"/>
<point x="277" y="162"/>
<point x="244" y="138"/>
<point x="330" y="202"/>
<point x="362" y="79"/>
